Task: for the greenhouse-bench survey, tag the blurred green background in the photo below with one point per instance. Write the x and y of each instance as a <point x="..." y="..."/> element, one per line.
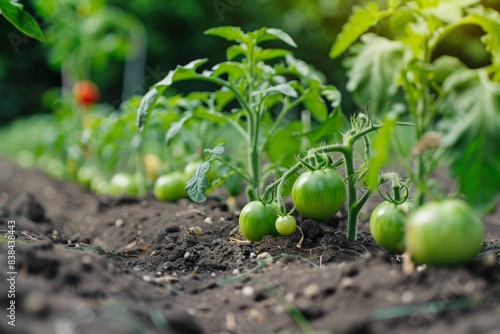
<point x="174" y="31"/>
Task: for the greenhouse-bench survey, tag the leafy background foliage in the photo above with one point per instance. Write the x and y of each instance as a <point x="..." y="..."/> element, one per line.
<point x="175" y="26"/>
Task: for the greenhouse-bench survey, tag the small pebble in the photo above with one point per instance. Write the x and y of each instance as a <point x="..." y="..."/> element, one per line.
<point x="119" y="222"/>
<point x="187" y="255"/>
<point x="261" y="256"/>
<point x="208" y="220"/>
<point x="247" y="291"/>
<point x="236" y="271"/>
<point x="195" y="230"/>
<point x="407" y="297"/>
<point x="147" y="278"/>
<point x="36" y="304"/>
<point x="312" y="291"/>
<point x="346" y="282"/>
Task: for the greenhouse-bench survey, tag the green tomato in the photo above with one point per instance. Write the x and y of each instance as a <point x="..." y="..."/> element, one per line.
<point x="170" y="187"/>
<point x="85" y="174"/>
<point x="100" y="185"/>
<point x="286" y="225"/>
<point x="446" y="232"/>
<point x="387" y="225"/>
<point x="258" y="219"/>
<point x="319" y="194"/>
<point x="123" y="184"/>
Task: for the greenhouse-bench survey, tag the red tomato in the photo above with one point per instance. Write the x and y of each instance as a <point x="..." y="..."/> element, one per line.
<point x="86" y="92"/>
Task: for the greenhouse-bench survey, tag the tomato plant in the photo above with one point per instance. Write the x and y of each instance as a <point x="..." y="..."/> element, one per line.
<point x="446" y="232"/>
<point x="319" y="194"/>
<point x="170" y="187"/>
<point x="256" y="88"/>
<point x="453" y="107"/>
<point x="286" y="225"/>
<point x="258" y="219"/>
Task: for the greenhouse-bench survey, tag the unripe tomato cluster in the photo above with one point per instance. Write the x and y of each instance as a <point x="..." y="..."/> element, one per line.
<point x="446" y="232"/>
<point x="317" y="195"/>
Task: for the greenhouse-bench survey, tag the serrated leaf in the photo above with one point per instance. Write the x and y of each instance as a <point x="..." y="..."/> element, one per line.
<point x="362" y="19"/>
<point x="229" y="33"/>
<point x="176" y="127"/>
<point x="147" y="102"/>
<point x="472" y="143"/>
<point x="489" y="21"/>
<point x="196" y="186"/>
<point x="21" y="19"/>
<point x="380" y="151"/>
<point x="217" y="150"/>
<point x="316" y="106"/>
<point x="273" y="33"/>
<point x="374" y="75"/>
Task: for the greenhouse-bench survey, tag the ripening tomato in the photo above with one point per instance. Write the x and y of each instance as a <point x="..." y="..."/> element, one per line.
<point x="319" y="194"/>
<point x="85" y="92"/>
<point x="258" y="219"/>
<point x="387" y="225"/>
<point x="286" y="225"/>
<point x="170" y="187"/>
<point x="446" y="232"/>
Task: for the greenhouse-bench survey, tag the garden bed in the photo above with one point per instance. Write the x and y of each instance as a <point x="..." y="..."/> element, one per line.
<point x="89" y="264"/>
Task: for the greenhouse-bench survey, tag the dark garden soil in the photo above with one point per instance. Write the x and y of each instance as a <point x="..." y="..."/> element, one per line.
<point x="88" y="264"/>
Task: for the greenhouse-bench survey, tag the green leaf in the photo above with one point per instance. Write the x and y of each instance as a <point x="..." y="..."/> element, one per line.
<point x="362" y="19"/>
<point x="489" y="20"/>
<point x="330" y="130"/>
<point x="197" y="185"/>
<point x="222" y="98"/>
<point x="472" y="143"/>
<point x="235" y="50"/>
<point x="229" y="33"/>
<point x="316" y="106"/>
<point x="147" y="102"/>
<point x="186" y="72"/>
<point x="333" y="95"/>
<point x="285" y="143"/>
<point x="214" y="117"/>
<point x="268" y="54"/>
<point x="445" y="66"/>
<point x="217" y="150"/>
<point x="176" y="127"/>
<point x="233" y="69"/>
<point x="374" y="75"/>
<point x="284" y="89"/>
<point x="380" y="150"/>
<point x="280" y="34"/>
<point x="20" y="19"/>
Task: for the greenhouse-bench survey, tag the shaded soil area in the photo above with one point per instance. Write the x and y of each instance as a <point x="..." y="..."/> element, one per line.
<point x="89" y="264"/>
